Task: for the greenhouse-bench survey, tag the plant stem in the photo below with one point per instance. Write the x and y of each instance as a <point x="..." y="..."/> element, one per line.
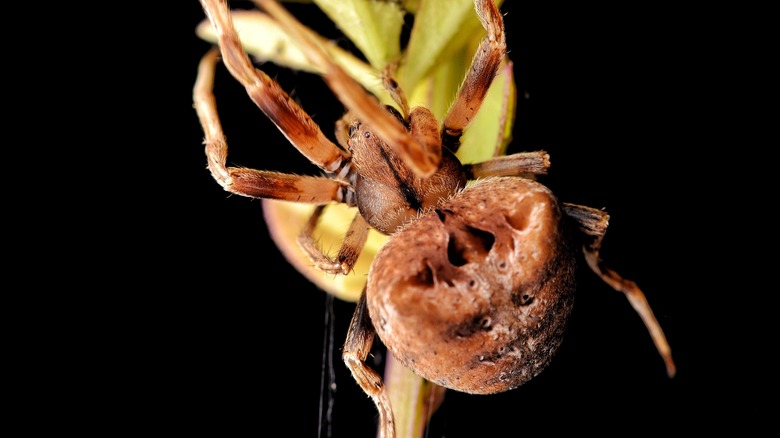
<point x="413" y="398"/>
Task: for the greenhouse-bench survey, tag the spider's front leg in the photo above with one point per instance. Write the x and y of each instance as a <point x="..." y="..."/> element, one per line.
<point x="484" y="67"/>
<point x="285" y="113"/>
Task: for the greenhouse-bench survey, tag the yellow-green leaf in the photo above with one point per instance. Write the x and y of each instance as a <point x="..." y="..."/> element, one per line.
<point x="491" y="130"/>
<point x="441" y="28"/>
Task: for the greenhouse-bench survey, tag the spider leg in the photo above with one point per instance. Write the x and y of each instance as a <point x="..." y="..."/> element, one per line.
<point x="484" y="67"/>
<point x="357" y="346"/>
<point x="250" y="182"/>
<point x="288" y="116"/>
<point x="355" y="98"/>
<point x="390" y="84"/>
<point x="593" y="223"/>
<point x="349" y="251"/>
<point x="524" y="164"/>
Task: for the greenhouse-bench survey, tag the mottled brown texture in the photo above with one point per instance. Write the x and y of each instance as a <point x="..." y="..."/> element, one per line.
<point x="475" y="295"/>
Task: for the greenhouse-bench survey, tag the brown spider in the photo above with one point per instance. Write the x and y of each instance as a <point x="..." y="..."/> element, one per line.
<point x="475" y="286"/>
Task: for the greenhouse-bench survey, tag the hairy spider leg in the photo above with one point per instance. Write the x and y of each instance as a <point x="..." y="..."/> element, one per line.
<point x="484" y="67"/>
<point x="349" y="251"/>
<point x="593" y="223"/>
<point x="357" y="346"/>
<point x="261" y="183"/>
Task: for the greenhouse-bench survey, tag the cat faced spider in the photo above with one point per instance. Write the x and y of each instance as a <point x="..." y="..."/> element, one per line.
<point x="474" y="288"/>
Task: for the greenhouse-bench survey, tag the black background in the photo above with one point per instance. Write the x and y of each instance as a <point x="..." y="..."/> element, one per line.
<point x="615" y="96"/>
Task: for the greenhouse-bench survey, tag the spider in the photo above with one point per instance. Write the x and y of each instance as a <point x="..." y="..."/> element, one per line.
<point x="475" y="285"/>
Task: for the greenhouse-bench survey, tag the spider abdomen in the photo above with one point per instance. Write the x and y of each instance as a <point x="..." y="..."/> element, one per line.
<point x="475" y="295"/>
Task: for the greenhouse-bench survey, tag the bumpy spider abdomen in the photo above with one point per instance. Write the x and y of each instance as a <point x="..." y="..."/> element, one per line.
<point x="475" y="295"/>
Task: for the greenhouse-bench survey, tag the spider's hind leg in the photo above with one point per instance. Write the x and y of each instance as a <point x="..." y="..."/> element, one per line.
<point x="593" y="223"/>
<point x="521" y="164"/>
<point x="357" y="346"/>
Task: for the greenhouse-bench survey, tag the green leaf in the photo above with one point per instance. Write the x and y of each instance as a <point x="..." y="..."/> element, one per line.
<point x="436" y="25"/>
<point x="373" y="26"/>
<point x="437" y="89"/>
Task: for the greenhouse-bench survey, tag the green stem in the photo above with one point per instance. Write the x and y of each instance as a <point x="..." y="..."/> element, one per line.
<point x="412" y="398"/>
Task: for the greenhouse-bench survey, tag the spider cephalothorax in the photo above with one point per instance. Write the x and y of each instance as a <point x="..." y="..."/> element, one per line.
<point x="475" y="285"/>
<point x="388" y="192"/>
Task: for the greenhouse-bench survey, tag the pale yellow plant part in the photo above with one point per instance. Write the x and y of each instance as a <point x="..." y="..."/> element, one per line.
<point x="266" y="41"/>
